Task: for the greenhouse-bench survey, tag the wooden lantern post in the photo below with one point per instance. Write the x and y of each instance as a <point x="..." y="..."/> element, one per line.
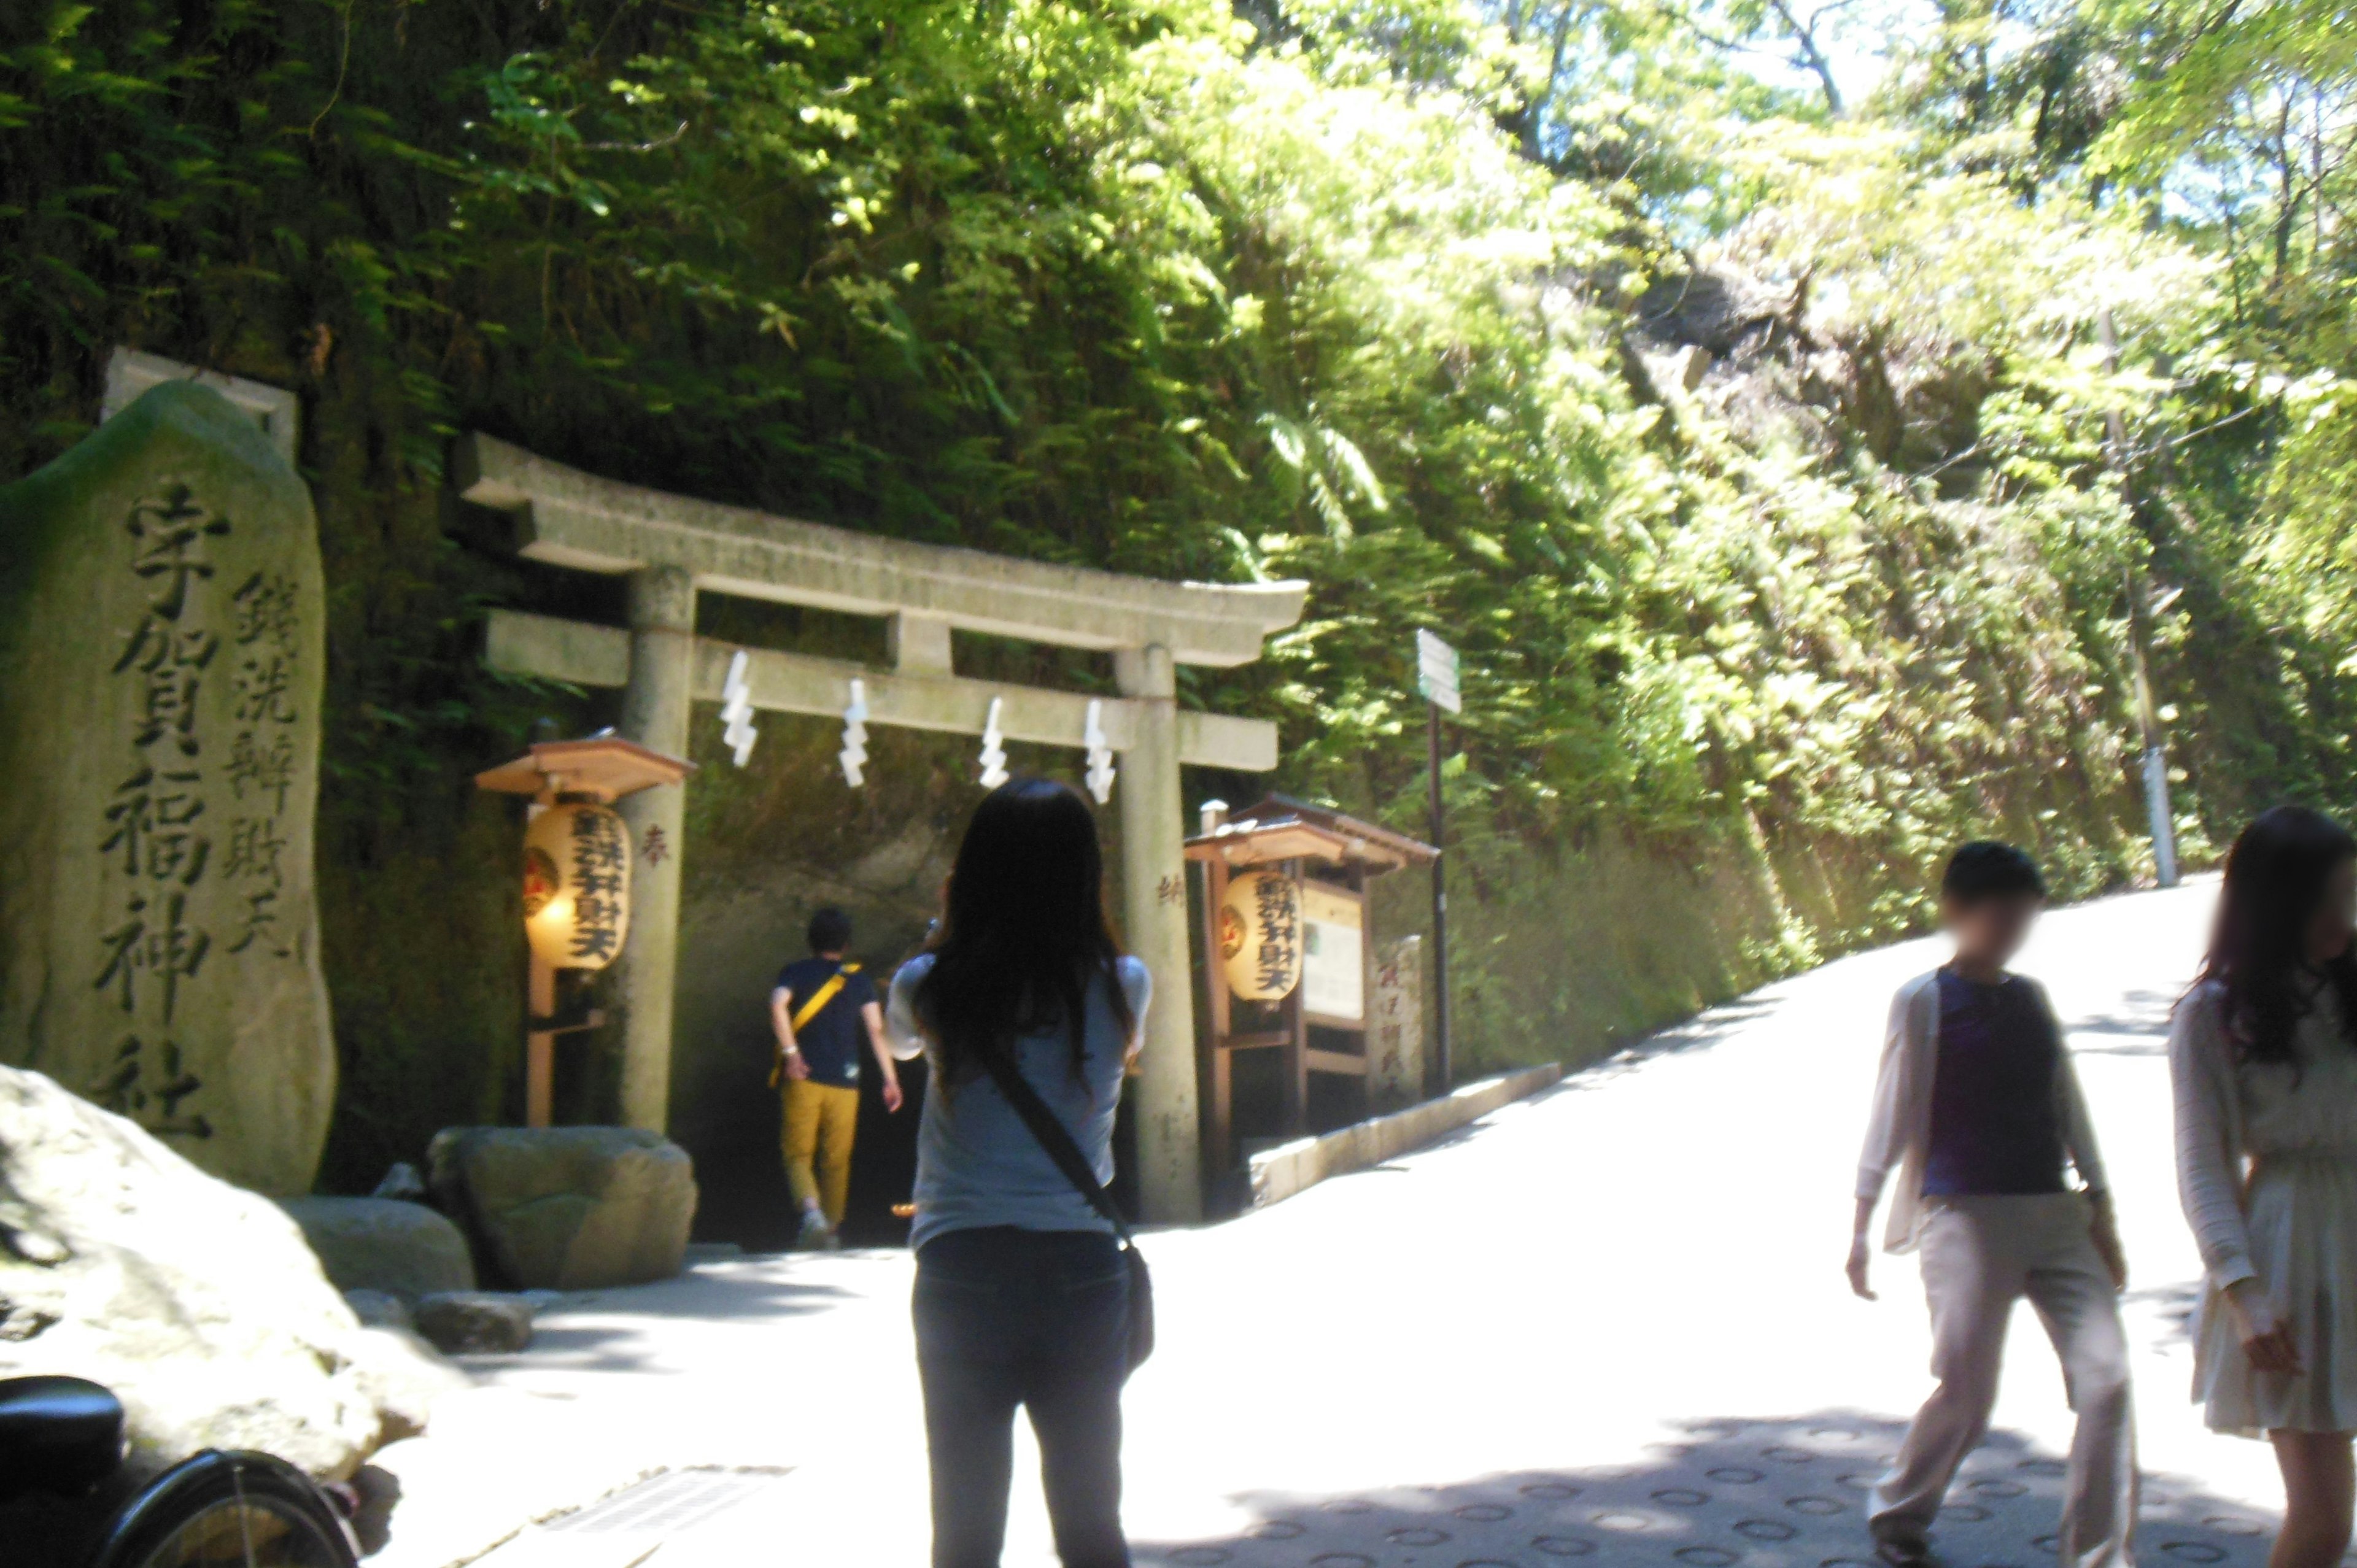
<point x="1291" y="837"/>
<point x="604" y="769"/>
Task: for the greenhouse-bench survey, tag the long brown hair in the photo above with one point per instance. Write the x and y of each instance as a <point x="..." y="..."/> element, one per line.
<point x="2276" y="876"/>
<point x="1024" y="935"/>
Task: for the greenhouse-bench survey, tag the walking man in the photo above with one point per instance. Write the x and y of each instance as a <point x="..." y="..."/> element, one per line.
<point x="1978" y="1109"/>
<point x="821" y="1009"/>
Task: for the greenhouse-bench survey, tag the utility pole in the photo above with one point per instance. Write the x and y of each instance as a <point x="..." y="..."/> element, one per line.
<point x="1435" y="677"/>
<point x="2156" y="755"/>
<point x="2154" y="766"/>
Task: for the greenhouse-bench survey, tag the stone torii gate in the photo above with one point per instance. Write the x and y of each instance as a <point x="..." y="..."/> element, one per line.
<point x="669" y="547"/>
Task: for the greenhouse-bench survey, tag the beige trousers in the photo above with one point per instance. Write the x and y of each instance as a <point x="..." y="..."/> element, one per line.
<point x="1980" y="1256"/>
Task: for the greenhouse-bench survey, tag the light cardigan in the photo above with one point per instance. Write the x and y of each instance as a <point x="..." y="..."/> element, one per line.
<point x="1898" y="1133"/>
<point x="2210" y="1142"/>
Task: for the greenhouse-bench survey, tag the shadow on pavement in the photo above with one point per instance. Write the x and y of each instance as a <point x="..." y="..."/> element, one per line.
<point x="1728" y="1494"/>
<point x="2139" y="1027"/>
<point x="617" y="1330"/>
<point x="2171" y="1306"/>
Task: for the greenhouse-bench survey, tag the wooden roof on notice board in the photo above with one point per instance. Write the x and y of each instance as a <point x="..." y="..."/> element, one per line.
<point x="1281" y="828"/>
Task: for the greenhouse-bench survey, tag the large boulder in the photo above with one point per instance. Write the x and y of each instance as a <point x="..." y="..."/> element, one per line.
<point x="197" y="1301"/>
<point x="566" y="1208"/>
<point x="162" y="645"/>
<point x="385" y="1245"/>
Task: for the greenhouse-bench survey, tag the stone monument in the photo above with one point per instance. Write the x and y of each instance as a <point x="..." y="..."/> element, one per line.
<point x="1395" y="1044"/>
<point x="162" y="629"/>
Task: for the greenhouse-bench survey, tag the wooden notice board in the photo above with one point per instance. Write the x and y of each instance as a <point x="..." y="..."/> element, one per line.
<point x="1330" y="858"/>
<point x="1334" y="980"/>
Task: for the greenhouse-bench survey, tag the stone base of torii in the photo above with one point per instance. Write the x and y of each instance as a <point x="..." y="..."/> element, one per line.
<point x="670" y="547"/>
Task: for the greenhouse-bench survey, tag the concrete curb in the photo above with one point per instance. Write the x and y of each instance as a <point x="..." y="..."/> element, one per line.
<point x="1278" y="1174"/>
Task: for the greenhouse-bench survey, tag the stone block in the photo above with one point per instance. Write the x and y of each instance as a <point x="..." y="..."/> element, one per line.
<point x="566" y="1208"/>
<point x="162" y="645"/>
<point x="385" y="1245"/>
<point x="474" y="1323"/>
<point x="1396" y="1032"/>
<point x="378" y="1309"/>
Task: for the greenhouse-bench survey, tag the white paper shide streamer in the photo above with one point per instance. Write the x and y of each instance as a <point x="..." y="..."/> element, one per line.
<point x="993" y="754"/>
<point x="854" y="755"/>
<point x="736" y="711"/>
<point x="1100" y="774"/>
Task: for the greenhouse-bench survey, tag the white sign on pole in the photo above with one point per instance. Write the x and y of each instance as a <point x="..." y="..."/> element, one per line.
<point x="1436" y="671"/>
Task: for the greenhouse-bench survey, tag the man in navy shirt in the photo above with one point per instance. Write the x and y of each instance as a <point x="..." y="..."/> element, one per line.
<point x="821" y="1008"/>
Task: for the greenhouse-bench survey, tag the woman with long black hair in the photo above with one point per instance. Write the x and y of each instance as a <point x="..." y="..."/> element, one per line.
<point x="1022" y="1295"/>
<point x="2263" y="1053"/>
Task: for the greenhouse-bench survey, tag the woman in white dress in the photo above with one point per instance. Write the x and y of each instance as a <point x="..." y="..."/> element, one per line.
<point x="2262" y="1054"/>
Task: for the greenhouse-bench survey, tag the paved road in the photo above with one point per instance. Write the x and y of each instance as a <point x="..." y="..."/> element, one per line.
<point x="1605" y="1322"/>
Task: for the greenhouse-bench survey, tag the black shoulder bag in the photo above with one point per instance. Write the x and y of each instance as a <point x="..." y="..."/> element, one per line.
<point x="1067" y="1155"/>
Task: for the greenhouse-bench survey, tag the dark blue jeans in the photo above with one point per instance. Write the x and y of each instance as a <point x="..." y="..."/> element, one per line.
<point x="1040" y="1319"/>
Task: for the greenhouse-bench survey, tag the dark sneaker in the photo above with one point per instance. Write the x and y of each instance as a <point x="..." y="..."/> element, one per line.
<point x="817" y="1235"/>
<point x="1900" y="1553"/>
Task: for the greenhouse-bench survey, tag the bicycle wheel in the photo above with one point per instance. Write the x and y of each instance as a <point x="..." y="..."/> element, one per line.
<point x="228" y="1511"/>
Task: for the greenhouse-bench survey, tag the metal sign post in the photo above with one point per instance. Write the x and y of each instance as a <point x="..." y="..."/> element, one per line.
<point x="1435" y="677"/>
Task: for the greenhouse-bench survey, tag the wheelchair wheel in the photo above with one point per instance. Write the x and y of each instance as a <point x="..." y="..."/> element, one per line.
<point x="228" y="1511"/>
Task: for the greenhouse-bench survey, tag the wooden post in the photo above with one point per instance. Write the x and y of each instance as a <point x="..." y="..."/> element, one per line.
<point x="1219" y="1134"/>
<point x="1359" y="882"/>
<point x="656" y="706"/>
<point x="1444" y="1065"/>
<point x="1154" y="901"/>
<point x="1297" y="1045"/>
<point x="540" y="1049"/>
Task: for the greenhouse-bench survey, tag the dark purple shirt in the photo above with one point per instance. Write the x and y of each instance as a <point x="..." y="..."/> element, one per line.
<point x="1996" y="1119"/>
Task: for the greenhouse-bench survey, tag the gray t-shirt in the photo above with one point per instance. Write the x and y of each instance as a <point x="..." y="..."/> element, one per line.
<point x="977" y="1164"/>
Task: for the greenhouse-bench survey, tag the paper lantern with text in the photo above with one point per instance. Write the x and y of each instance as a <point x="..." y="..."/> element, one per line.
<point x="577" y="886"/>
<point x="1260" y="936"/>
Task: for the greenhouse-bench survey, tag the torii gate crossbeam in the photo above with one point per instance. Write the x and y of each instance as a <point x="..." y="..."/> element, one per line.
<point x="670" y="547"/>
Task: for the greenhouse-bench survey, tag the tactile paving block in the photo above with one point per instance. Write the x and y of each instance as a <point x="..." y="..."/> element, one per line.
<point x="1779" y="1494"/>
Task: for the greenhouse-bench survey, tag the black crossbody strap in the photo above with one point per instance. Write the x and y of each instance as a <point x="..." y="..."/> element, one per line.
<point x="1053" y="1137"/>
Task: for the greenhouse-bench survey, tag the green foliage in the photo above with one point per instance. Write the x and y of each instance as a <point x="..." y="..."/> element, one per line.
<point x="2225" y="127"/>
<point x="1353" y="294"/>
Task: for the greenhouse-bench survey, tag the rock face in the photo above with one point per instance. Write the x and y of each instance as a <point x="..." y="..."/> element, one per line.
<point x="1714" y="308"/>
<point x="161" y="650"/>
<point x="196" y="1302"/>
<point x="385" y="1245"/>
<point x="566" y="1208"/>
<point x="1783" y="370"/>
<point x="476" y="1322"/>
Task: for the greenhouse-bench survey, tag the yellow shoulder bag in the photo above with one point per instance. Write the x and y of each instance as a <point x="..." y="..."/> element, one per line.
<point x="812" y="1009"/>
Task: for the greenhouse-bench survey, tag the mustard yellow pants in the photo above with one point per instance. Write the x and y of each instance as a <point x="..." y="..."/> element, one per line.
<point x="820" y="1120"/>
